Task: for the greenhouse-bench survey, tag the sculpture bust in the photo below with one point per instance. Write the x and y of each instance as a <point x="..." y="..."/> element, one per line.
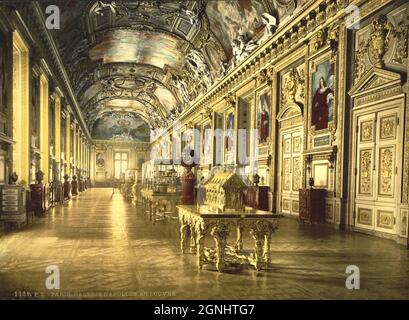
<point x="39" y="176"/>
<point x="13" y="178"/>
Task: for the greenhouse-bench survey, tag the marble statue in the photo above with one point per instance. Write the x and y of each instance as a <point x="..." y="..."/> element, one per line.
<point x="198" y="65"/>
<point x="181" y="85"/>
<point x="112" y="6"/>
<point x="242" y="48"/>
<point x="270" y="24"/>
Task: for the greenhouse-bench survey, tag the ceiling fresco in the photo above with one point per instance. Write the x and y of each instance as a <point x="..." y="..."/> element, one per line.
<point x="122" y="127"/>
<point x="229" y="19"/>
<point x="144" y="47"/>
<point x="152" y="59"/>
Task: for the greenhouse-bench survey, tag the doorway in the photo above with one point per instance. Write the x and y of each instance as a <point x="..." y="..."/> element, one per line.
<point x="290" y="168"/>
<point x="378" y="167"/>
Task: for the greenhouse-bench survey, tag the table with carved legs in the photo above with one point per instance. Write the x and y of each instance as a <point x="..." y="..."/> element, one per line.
<point x="199" y="222"/>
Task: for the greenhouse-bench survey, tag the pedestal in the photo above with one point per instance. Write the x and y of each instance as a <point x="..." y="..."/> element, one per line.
<point x="188" y="186"/>
<point x="38" y="199"/>
<point x="74" y="187"/>
<point x="67" y="189"/>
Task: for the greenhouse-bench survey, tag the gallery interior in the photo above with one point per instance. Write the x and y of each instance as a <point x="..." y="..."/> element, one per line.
<point x="241" y="149"/>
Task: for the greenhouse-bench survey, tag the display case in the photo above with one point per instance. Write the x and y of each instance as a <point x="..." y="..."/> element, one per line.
<point x="161" y="177"/>
<point x="13" y="205"/>
<point x="224" y="192"/>
<point x="257" y="197"/>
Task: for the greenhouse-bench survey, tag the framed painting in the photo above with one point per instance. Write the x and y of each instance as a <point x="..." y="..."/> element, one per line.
<point x="3" y="73"/>
<point x="208" y="144"/>
<point x="35" y="112"/>
<point x="229" y="138"/>
<point x="322" y="94"/>
<point x="263" y="115"/>
<point x="230" y="132"/>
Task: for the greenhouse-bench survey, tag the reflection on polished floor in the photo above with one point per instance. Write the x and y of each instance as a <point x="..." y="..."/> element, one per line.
<point x="106" y="248"/>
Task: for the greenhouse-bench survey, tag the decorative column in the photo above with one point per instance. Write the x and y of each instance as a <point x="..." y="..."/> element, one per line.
<point x="44" y="130"/>
<point x="92" y="160"/>
<point x="68" y="143"/>
<point x="57" y="120"/>
<point x="20" y="113"/>
<point x="74" y="149"/>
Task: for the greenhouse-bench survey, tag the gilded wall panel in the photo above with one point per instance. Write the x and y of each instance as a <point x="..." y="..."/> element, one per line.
<point x="386" y="171"/>
<point x="365" y="171"/>
<point x="364" y="216"/>
<point x="385" y="219"/>
<point x="404" y="223"/>
<point x="329" y="212"/>
<point x="295" y="207"/>
<point x="388" y="127"/>
<point x="296" y="174"/>
<point x="367" y="131"/>
<point x="286" y="173"/>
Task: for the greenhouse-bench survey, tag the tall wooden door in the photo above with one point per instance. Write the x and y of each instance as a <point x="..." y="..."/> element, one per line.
<point x="291" y="165"/>
<point x="378" y="167"/>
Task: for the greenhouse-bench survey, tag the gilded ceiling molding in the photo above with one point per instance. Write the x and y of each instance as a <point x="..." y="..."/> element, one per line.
<point x="287" y="38"/>
<point x="34" y="18"/>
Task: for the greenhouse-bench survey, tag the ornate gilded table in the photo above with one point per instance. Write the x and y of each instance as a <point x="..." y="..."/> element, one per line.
<point x="152" y="202"/>
<point x="198" y="221"/>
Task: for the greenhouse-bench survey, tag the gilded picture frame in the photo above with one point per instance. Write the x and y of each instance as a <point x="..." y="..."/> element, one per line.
<point x="263" y="114"/>
<point x="322" y="95"/>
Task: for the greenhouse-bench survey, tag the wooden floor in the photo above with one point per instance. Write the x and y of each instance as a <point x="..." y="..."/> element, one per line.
<point x="104" y="248"/>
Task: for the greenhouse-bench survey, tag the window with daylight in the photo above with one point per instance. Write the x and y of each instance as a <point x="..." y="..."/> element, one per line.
<point x="121" y="164"/>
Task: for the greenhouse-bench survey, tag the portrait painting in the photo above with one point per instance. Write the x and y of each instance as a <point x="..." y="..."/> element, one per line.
<point x="35" y="108"/>
<point x="322" y="107"/>
<point x="208" y="144"/>
<point x="3" y="90"/>
<point x="263" y="116"/>
<point x="100" y="160"/>
<point x="188" y="147"/>
<point x="230" y="132"/>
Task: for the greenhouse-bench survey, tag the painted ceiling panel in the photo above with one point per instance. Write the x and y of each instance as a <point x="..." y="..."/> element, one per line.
<point x="153" y="58"/>
<point x="139" y="47"/>
<point x="229" y="19"/>
<point x="166" y="98"/>
<point x="121" y="126"/>
<point x="128" y="104"/>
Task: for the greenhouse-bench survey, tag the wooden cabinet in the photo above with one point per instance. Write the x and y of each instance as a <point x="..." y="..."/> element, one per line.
<point x="257" y="197"/>
<point x="312" y="205"/>
<point x="13" y="204"/>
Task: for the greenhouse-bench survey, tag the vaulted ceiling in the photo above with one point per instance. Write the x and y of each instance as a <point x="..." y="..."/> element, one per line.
<point x="152" y="58"/>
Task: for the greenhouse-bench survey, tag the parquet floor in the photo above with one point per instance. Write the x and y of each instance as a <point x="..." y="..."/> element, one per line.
<point x="104" y="248"/>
